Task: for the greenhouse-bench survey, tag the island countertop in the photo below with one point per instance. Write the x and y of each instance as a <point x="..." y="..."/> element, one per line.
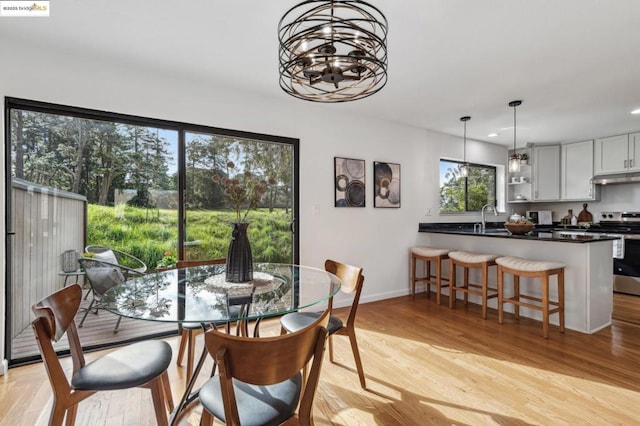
<point x="587" y="258"/>
<point x="496" y="230"/>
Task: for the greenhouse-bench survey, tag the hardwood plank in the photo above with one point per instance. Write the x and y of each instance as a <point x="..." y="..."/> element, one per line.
<point x="425" y="364"/>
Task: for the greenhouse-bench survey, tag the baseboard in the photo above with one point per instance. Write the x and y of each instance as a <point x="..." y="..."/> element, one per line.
<point x="4" y="367"/>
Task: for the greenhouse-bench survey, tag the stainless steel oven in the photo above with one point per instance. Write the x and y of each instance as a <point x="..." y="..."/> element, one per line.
<point x="626" y="268"/>
<point x="626" y="250"/>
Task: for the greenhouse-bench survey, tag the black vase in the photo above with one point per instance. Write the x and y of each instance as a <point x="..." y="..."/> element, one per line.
<point x="239" y="257"/>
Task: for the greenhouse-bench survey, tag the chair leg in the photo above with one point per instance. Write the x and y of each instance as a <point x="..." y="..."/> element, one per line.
<point x="485" y="289"/>
<point x="168" y="396"/>
<point x="452" y="283"/>
<point x="413" y="275"/>
<point x="86" y="313"/>
<point x="183" y="345"/>
<point x="427" y="283"/>
<point x="356" y="356"/>
<point x="561" y="299"/>
<point x="330" y="344"/>
<point x="438" y="279"/>
<point x="206" y="419"/>
<point x="57" y="413"/>
<point x="157" y="395"/>
<point x="191" y="352"/>
<point x="115" y="330"/>
<point x="500" y="294"/>
<point x="545" y="306"/>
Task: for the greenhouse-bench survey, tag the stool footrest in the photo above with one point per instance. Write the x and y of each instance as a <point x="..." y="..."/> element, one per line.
<point x="531" y="305"/>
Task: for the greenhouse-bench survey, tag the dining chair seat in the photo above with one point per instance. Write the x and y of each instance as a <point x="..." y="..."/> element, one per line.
<point x="257" y="405"/>
<point x="304" y="319"/>
<point x="125" y="367"/>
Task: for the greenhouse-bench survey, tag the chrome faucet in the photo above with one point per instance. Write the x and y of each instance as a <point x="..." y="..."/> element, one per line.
<point x="484" y="220"/>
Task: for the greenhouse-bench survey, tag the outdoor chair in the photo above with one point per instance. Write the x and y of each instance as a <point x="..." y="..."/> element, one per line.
<point x="259" y="380"/>
<point x="352" y="282"/>
<point x="128" y="263"/>
<point x="142" y="364"/>
<point x="102" y="276"/>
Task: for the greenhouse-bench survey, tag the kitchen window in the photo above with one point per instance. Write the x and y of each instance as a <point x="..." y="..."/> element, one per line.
<point x="466" y="194"/>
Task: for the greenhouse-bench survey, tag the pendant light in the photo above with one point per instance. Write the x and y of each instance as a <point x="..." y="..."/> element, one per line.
<point x="464" y="171"/>
<point x="514" y="160"/>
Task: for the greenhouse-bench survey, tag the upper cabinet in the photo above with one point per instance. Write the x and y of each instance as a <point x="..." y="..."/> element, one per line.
<point x="617" y="154"/>
<point x="546" y="172"/>
<point x="576" y="172"/>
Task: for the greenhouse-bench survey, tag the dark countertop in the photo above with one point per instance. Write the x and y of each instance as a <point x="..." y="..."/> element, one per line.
<point x="497" y="230"/>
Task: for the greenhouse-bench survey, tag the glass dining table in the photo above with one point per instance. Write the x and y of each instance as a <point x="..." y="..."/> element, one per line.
<point x="201" y="294"/>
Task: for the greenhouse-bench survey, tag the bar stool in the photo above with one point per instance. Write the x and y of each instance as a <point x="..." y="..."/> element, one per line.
<point x="469" y="260"/>
<point x="428" y="255"/>
<point x="533" y="269"/>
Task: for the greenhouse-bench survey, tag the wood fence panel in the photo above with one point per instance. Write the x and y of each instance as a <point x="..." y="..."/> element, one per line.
<point x="46" y="222"/>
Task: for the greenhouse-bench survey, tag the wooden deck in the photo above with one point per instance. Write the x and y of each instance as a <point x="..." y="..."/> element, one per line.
<point x="96" y="331"/>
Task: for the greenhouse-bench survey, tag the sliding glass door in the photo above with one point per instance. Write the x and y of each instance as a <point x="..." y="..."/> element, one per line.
<point x="225" y="177"/>
<point x="150" y="188"/>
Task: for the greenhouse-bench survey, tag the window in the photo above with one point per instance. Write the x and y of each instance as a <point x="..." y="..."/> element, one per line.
<point x="459" y="194"/>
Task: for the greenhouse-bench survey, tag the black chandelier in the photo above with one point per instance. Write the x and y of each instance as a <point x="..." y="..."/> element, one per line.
<point x="333" y="51"/>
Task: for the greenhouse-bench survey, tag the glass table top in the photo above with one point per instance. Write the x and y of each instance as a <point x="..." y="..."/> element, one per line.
<point x="201" y="294"/>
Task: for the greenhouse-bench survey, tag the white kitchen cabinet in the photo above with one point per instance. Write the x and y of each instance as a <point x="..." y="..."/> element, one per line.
<point x="576" y="171"/>
<point x="546" y="172"/>
<point x="634" y="152"/>
<point x="617" y="154"/>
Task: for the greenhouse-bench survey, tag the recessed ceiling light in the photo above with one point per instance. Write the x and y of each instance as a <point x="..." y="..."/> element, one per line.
<point x="493" y="135"/>
<point x="636" y="111"/>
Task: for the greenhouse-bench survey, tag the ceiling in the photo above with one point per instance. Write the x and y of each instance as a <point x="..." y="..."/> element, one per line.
<point x="574" y="63"/>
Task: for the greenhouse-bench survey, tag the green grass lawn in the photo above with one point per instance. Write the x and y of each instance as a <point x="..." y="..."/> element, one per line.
<point x="148" y="233"/>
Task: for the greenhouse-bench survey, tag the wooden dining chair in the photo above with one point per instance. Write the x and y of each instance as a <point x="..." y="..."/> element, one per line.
<point x="260" y="380"/>
<point x="191" y="329"/>
<point x="142" y="364"/>
<point x="352" y="282"/>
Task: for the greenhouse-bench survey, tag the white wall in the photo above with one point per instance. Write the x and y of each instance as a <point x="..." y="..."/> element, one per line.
<point x="376" y="239"/>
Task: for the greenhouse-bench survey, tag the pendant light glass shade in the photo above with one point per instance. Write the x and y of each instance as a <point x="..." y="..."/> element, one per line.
<point x="464" y="171"/>
<point x="514" y="159"/>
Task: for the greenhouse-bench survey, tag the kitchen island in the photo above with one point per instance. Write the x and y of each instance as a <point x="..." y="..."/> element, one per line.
<point x="588" y="274"/>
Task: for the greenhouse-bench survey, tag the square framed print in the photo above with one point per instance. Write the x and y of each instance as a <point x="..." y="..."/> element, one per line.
<point x="349" y="182"/>
<point x="386" y="188"/>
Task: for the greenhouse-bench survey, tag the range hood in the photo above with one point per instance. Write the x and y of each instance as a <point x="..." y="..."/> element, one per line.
<point x="619" y="178"/>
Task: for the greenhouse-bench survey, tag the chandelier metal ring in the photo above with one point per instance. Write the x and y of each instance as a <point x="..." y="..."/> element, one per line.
<point x="332" y="51"/>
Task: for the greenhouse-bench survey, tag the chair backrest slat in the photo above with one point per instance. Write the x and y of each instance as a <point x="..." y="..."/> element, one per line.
<point x="348" y="274"/>
<point x="268" y="360"/>
<point x="55" y="317"/>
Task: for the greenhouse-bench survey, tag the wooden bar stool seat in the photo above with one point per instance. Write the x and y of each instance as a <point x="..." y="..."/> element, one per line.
<point x="428" y="255"/>
<point x="468" y="260"/>
<point x="519" y="267"/>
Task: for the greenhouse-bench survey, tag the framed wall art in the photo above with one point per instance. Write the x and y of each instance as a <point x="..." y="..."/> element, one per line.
<point x="386" y="188"/>
<point x="349" y="182"/>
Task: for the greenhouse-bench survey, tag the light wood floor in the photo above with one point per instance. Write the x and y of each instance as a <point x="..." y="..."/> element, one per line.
<point x="425" y="364"/>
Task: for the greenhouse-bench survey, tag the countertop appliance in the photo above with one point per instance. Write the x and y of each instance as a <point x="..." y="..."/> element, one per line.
<point x="626" y="250"/>
<point x="540" y="217"/>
